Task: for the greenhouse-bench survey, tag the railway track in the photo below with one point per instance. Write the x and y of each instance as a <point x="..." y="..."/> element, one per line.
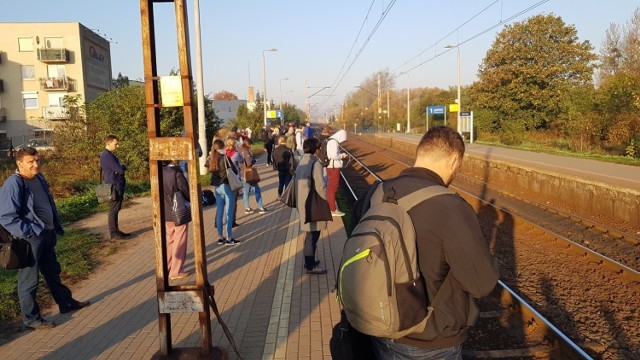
<point x="590" y="293"/>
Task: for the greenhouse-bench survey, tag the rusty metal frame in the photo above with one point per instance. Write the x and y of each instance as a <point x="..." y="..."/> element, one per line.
<point x="173" y="148"/>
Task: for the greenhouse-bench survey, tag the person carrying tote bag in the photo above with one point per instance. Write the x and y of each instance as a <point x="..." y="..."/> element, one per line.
<point x="174" y="186"/>
<point x="225" y="198"/>
<point x="251" y="183"/>
<point x="308" y="179"/>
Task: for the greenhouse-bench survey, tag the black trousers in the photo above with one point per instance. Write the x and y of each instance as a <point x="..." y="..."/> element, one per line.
<point x="310" y="245"/>
<point x="114" y="209"/>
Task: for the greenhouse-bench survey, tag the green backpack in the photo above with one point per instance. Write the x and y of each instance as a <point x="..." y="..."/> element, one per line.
<point x="379" y="283"/>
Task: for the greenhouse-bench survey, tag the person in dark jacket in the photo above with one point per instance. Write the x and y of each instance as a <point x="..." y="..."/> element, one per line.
<point x="285" y="164"/>
<point x="27" y="211"/>
<point x="225" y="199"/>
<point x="308" y="169"/>
<point x="113" y="173"/>
<point x="453" y="255"/>
<point x="266" y="137"/>
<point x="176" y="235"/>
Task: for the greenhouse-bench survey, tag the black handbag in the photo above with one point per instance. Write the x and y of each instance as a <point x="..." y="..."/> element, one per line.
<point x="181" y="208"/>
<point x="288" y="196"/>
<point x="316" y="208"/>
<point x="347" y="343"/>
<point x="15" y="253"/>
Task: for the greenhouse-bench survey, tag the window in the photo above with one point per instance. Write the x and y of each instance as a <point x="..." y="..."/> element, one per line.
<point x="28" y="72"/>
<point x="56" y="71"/>
<point x="30" y="100"/>
<point x="25" y="44"/>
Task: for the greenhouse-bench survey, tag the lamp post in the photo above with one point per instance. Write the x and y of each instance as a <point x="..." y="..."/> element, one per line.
<point x="264" y="85"/>
<point x="459" y="99"/>
<point x="286" y="78"/>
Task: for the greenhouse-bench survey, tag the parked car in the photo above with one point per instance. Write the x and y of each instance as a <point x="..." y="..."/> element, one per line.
<point x="42" y="145"/>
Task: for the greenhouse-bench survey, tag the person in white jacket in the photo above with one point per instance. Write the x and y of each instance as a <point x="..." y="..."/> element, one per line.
<point x="336" y="156"/>
<point x="299" y="141"/>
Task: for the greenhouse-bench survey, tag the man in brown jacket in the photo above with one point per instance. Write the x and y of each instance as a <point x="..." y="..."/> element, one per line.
<point x="453" y="254"/>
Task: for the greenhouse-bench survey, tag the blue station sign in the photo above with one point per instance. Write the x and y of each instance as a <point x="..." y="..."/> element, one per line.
<point x="436" y="110"/>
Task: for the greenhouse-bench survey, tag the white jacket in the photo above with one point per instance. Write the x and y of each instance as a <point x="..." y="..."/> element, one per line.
<point x="333" y="150"/>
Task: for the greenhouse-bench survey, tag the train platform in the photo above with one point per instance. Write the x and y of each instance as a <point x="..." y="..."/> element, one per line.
<point x="618" y="175"/>
<point x="272" y="307"/>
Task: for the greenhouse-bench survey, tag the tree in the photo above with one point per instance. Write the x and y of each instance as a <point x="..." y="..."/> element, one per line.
<point x="121" y="112"/>
<point x="120" y="81"/>
<point x="529" y="69"/>
<point x="225" y="95"/>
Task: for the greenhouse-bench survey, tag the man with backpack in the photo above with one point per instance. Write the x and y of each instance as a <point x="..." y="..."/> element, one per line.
<point x="434" y="273"/>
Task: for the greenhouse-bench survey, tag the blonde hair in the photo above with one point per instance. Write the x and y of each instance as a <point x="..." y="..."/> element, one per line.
<point x="231" y="144"/>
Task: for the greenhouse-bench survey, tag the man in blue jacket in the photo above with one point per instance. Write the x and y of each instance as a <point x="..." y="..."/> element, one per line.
<point x="113" y="173"/>
<point x="27" y="211"/>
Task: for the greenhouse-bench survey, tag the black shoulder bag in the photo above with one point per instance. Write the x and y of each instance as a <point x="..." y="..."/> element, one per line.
<point x="15" y="253"/>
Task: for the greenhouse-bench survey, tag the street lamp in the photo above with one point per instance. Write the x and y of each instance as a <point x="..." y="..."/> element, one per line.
<point x="286" y="78"/>
<point x="264" y="85"/>
<point x="459" y="99"/>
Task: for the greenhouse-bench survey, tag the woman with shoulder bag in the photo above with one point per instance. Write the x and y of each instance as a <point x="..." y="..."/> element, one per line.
<point x="249" y="161"/>
<point x="308" y="174"/>
<point x="176" y="235"/>
<point x="225" y="198"/>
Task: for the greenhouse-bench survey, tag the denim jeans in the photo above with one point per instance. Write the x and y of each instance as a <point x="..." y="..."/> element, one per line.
<point x="310" y="245"/>
<point x="226" y="206"/>
<point x="44" y="252"/>
<point x="283" y="180"/>
<point x="387" y="349"/>
<point x="246" y="188"/>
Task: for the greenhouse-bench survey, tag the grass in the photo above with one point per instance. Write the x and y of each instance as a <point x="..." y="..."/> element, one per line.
<point x="78" y="252"/>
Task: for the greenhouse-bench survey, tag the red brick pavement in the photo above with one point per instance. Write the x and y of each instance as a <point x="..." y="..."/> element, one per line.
<point x="272" y="307"/>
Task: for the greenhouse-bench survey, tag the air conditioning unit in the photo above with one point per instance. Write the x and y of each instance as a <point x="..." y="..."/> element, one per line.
<point x="53" y="55"/>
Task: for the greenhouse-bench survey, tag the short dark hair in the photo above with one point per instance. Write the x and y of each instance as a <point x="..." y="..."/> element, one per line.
<point x="441" y="141"/>
<point x="25" y="151"/>
<point x="218" y="144"/>
<point x="110" y="138"/>
<point x="311" y="145"/>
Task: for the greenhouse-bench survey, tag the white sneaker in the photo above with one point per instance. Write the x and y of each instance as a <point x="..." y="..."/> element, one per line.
<point x="337" y="213"/>
<point x="248" y="211"/>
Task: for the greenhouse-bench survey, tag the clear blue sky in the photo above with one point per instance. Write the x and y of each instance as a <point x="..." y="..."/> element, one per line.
<point x="314" y="38"/>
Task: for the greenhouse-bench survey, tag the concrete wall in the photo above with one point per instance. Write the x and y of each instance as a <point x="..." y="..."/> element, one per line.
<point x="587" y="197"/>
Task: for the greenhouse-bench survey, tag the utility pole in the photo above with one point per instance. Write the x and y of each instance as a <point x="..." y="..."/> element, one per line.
<point x="379" y="109"/>
<point x="408" y="108"/>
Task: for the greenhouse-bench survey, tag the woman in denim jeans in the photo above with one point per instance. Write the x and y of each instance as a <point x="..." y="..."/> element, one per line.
<point x="225" y="199"/>
<point x="249" y="161"/>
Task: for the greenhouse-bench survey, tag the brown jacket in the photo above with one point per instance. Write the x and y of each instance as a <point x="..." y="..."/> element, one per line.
<point x="454" y="259"/>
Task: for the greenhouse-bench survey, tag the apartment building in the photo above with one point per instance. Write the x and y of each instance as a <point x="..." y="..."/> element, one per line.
<point x="40" y="63"/>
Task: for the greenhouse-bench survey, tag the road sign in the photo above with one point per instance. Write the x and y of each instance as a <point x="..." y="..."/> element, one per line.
<point x="453" y="107"/>
<point x="435" y="110"/>
<point x="465" y="113"/>
<point x="275" y="114"/>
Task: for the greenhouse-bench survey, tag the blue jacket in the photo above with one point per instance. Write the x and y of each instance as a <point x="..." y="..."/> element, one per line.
<point x="17" y="215"/>
<point x="112" y="170"/>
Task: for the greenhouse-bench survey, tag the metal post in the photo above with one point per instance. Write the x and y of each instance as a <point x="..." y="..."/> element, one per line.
<point x="202" y="133"/>
<point x="408" y="107"/>
<point x="264" y="85"/>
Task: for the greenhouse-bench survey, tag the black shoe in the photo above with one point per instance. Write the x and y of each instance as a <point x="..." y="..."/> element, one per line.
<point x="221" y="242"/>
<point x="79" y="305"/>
<point x="235" y="224"/>
<point x="233" y="242"/>
<point x="40" y="324"/>
<point x="317" y="271"/>
<point x="120" y="236"/>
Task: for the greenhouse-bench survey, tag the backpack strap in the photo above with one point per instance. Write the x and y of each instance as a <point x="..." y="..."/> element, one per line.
<point x="410" y="200"/>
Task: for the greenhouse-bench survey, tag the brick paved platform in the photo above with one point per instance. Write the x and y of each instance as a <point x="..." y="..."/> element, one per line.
<point x="272" y="307"/>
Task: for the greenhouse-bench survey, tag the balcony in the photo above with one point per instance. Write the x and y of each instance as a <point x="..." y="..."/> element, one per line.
<point x="53" y="55"/>
<point x="1" y="86"/>
<point x="55" y="113"/>
<point x="58" y="84"/>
